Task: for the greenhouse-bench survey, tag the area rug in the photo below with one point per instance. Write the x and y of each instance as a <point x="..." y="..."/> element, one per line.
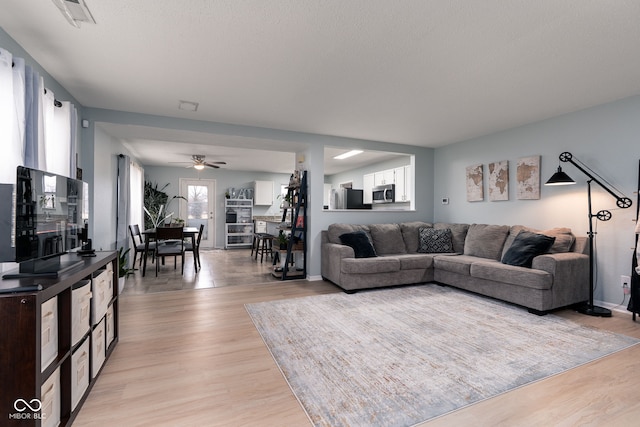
<point x="401" y="356"/>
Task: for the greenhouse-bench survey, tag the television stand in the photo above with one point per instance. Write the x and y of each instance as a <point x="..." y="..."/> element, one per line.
<point x="49" y="268"/>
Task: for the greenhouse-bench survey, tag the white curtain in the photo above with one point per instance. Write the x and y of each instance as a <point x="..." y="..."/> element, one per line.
<point x="11" y="115"/>
<point x="136" y="195"/>
<point x="40" y="131"/>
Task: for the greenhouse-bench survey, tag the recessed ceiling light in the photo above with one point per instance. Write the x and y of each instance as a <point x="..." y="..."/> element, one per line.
<point x="348" y="154"/>
<point x="188" y="106"/>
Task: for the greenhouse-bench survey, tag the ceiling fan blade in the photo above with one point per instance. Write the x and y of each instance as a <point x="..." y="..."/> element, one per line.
<point x="219" y="163"/>
<point x="211" y="165"/>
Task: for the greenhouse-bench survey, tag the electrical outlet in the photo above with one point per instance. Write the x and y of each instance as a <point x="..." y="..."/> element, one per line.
<point x="625" y="281"/>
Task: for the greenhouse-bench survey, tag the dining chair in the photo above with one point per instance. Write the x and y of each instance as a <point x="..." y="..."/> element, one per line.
<point x="138" y="244"/>
<point x="188" y="247"/>
<point x="170" y="242"/>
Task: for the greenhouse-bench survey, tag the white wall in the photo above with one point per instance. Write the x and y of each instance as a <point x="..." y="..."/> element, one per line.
<point x="103" y="184"/>
<point x="605" y="138"/>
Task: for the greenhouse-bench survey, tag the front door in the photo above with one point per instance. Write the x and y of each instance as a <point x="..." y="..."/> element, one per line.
<point x="199" y="207"/>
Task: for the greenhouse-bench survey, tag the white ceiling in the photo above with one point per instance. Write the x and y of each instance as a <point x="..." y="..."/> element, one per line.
<point x="421" y="72"/>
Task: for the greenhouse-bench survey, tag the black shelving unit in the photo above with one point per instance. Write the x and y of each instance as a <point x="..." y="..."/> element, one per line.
<point x="634" y="300"/>
<point x="295" y="216"/>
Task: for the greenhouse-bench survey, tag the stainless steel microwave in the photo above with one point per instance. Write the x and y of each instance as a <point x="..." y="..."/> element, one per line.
<point x="384" y="193"/>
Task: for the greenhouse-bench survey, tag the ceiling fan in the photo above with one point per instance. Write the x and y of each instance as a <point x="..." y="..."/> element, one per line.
<point x="199" y="163"/>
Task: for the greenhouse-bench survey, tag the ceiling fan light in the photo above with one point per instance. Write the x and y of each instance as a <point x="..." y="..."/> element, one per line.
<point x="198" y="166"/>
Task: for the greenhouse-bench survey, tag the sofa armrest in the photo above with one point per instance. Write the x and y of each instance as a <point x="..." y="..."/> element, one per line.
<point x="570" y="272"/>
<point x="332" y="255"/>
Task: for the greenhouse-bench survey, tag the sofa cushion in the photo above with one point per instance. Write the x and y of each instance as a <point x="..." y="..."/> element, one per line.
<point x="336" y="230"/>
<point x="370" y="265"/>
<point x="563" y="243"/>
<point x="387" y="239"/>
<point x="434" y="241"/>
<point x="411" y="234"/>
<point x="360" y="243"/>
<point x="525" y="247"/>
<point x="415" y="261"/>
<point x="458" y="234"/>
<point x="460" y="264"/>
<point x="512" y="275"/>
<point x="486" y="241"/>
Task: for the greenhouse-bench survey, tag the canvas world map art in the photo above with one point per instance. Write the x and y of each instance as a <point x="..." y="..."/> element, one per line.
<point x="499" y="181"/>
<point x="528" y="177"/>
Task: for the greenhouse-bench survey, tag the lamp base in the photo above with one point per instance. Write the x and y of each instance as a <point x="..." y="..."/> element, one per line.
<point x="594" y="310"/>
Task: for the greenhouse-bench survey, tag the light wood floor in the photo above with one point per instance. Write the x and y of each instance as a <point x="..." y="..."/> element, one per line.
<point x="192" y="357"/>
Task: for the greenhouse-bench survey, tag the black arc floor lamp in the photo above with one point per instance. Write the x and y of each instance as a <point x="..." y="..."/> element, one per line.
<point x="561" y="178"/>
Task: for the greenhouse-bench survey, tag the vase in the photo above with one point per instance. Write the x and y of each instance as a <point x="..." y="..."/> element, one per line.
<point x="121" y="281"/>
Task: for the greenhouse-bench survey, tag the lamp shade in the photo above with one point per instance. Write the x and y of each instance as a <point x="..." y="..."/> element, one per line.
<point x="560" y="178"/>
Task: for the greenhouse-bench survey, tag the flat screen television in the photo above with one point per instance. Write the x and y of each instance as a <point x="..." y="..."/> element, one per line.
<point x="49" y="216"/>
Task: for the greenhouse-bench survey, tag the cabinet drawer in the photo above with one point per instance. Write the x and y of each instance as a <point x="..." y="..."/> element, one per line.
<point x="101" y="293"/>
<point x="80" y="311"/>
<point x="49" y="332"/>
<point x="50" y="399"/>
<point x="97" y="348"/>
<point x="111" y="326"/>
<point x="79" y="373"/>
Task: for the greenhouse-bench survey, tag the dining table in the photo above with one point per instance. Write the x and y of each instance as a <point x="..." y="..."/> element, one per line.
<point x="150" y="235"/>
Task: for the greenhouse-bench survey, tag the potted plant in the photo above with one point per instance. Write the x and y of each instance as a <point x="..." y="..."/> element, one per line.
<point x="156" y="204"/>
<point x="283" y="240"/>
<point x="123" y="268"/>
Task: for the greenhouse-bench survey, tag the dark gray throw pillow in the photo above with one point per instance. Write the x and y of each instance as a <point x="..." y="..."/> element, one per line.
<point x="434" y="241"/>
<point x="525" y="247"/>
<point x="360" y="243"/>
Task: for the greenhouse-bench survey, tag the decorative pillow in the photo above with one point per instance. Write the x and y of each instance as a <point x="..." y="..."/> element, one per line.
<point x="435" y="241"/>
<point x="525" y="247"/>
<point x="458" y="234"/>
<point x="411" y="234"/>
<point x="360" y="243"/>
<point x="564" y="238"/>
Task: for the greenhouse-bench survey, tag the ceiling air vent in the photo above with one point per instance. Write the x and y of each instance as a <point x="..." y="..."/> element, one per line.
<point x="75" y="11"/>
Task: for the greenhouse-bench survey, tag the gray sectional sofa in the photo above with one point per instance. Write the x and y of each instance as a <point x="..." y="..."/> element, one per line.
<point x="475" y="257"/>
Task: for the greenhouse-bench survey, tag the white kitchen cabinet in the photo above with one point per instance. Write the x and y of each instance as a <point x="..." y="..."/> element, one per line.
<point x="263" y="193"/>
<point x="403" y="182"/>
<point x="368" y="182"/>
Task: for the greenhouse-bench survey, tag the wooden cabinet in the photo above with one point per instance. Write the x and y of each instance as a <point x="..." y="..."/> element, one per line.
<point x="239" y="223"/>
<point x="263" y="193"/>
<point x="40" y="386"/>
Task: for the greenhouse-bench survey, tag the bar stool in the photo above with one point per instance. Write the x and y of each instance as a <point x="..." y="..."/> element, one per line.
<point x="263" y="244"/>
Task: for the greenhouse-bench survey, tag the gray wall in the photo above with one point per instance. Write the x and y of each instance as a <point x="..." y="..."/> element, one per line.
<point x="605" y="138"/>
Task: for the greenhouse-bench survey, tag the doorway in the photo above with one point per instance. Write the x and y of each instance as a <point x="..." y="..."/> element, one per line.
<point x="199" y="207"/>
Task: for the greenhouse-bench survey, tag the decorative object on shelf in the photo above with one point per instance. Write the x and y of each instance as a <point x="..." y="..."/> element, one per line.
<point x="475" y="183"/>
<point x="623" y="202"/>
<point x="283" y="240"/>
<point x="528" y="178"/>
